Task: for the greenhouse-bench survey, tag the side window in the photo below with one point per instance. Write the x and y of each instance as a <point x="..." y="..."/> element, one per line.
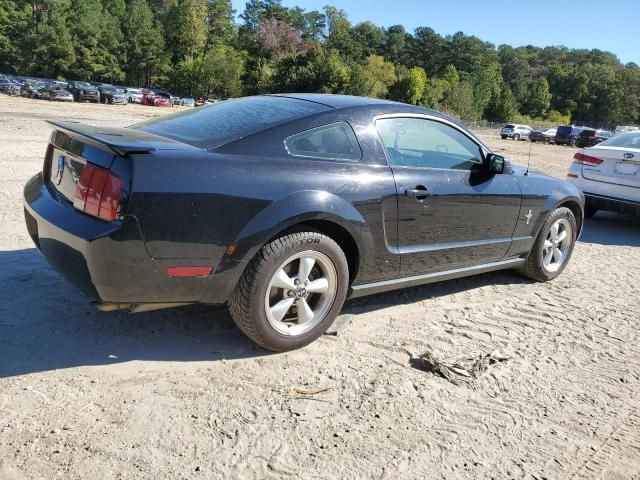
<point x="422" y="143"/>
<point x="335" y="141"/>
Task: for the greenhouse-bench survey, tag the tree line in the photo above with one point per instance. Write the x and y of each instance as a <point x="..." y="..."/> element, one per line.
<point x="198" y="48"/>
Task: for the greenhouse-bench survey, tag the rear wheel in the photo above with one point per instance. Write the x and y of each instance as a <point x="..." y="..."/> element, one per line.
<point x="547" y="140"/>
<point x="504" y="137"/>
<point x="516" y="137"/>
<point x="553" y="247"/>
<point x="291" y="292"/>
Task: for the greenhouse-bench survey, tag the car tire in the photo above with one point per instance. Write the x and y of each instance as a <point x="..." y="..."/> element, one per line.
<point x="504" y="137"/>
<point x="589" y="211"/>
<point x="547" y="141"/>
<point x="516" y="138"/>
<point x="266" y="300"/>
<point x="541" y="266"/>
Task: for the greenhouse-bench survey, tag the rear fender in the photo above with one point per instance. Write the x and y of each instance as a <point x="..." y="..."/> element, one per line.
<point x="297" y="208"/>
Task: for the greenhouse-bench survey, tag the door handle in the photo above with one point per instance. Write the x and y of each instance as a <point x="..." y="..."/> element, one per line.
<point x="419" y="193"/>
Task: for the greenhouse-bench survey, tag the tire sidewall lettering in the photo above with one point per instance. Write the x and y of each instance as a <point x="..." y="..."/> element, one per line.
<point x="304" y="242"/>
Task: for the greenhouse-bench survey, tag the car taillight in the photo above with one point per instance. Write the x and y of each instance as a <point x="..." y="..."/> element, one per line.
<point x="582" y="159"/>
<point x="98" y="192"/>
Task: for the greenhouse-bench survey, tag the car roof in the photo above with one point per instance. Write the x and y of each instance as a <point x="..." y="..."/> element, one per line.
<point x="350" y="102"/>
<point x="336" y="101"/>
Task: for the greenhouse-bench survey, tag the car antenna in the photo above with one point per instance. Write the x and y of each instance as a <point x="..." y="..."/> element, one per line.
<point x="529" y="159"/>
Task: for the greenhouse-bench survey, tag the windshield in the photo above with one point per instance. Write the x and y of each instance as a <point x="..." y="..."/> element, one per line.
<point x="625" y="140"/>
<point x="83" y="85"/>
<point x="211" y="126"/>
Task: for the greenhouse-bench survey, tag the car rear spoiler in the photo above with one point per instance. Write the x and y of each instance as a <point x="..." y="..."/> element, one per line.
<point x="120" y="141"/>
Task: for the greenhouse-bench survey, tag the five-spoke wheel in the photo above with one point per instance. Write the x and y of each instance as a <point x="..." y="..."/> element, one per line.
<point x="292" y="291"/>
<point x="300" y="292"/>
<point x="558" y="242"/>
<point x="553" y="246"/>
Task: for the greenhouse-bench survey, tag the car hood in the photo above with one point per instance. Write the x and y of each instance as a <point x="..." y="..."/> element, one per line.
<point x="519" y="171"/>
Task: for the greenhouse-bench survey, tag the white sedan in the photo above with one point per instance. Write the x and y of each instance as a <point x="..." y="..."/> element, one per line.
<point x="609" y="174"/>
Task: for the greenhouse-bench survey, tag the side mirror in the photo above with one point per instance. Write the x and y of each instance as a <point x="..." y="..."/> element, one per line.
<point x="498" y="164"/>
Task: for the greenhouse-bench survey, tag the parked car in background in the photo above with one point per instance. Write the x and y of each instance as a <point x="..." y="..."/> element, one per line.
<point x="112" y="95"/>
<point x="515" y="131"/>
<point x="9" y="87"/>
<point x="282" y="207"/>
<point x="134" y="95"/>
<point x="156" y="99"/>
<point x="609" y="174"/>
<point x="32" y="89"/>
<point x="590" y="137"/>
<point x="544" y="135"/>
<point x="567" y="134"/>
<point x="83" y="91"/>
<point x="188" y="102"/>
<point x="56" y="93"/>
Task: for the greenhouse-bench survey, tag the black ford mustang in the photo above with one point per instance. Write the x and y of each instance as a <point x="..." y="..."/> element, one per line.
<point x="283" y="206"/>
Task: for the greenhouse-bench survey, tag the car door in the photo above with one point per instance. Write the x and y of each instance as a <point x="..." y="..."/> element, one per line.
<point x="451" y="212"/>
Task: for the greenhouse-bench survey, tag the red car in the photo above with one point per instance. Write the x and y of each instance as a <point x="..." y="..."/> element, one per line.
<point x="156" y="99"/>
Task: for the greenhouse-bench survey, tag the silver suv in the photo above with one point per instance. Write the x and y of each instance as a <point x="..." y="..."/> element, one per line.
<point x="516" y="132"/>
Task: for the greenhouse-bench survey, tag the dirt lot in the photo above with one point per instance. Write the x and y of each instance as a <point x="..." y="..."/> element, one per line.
<point x="181" y="394"/>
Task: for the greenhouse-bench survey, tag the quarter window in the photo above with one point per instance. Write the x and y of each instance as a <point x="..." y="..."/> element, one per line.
<point x="422" y="143"/>
<point x="335" y="141"/>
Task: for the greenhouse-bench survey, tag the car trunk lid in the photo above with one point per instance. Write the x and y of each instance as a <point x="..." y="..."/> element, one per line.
<point x="82" y="156"/>
<point x="619" y="166"/>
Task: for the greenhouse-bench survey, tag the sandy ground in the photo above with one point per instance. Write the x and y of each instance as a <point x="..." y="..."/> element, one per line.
<point x="183" y="394"/>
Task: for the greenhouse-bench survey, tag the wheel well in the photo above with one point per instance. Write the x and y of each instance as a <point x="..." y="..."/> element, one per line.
<point x="577" y="212"/>
<point x="338" y="234"/>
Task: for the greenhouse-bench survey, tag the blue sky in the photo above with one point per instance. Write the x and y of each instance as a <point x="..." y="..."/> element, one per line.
<point x="612" y="25"/>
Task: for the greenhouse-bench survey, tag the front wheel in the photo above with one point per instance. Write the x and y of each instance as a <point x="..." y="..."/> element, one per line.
<point x="553" y="247"/>
<point x="516" y="137"/>
<point x="292" y="291"/>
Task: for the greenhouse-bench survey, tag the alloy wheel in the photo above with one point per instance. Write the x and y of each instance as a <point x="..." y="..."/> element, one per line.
<point x="301" y="293"/>
<point x="557" y="245"/>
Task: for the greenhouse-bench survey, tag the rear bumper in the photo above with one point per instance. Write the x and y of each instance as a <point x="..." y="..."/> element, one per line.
<point x="612" y="204"/>
<point x="108" y="260"/>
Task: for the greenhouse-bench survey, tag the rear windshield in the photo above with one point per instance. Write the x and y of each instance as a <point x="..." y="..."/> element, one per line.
<point x="587" y="133"/>
<point x="564" y="131"/>
<point x="509" y="126"/>
<point x="212" y="125"/>
<point x="624" y="140"/>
